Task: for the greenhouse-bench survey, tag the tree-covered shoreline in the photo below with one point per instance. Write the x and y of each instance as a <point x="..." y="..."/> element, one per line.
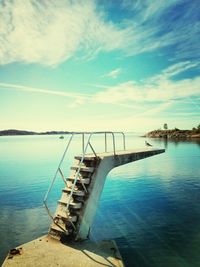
<point x="14" y="132"/>
<point x="174" y="133"/>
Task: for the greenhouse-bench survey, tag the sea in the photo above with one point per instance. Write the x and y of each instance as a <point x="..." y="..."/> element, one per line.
<point x="150" y="207"/>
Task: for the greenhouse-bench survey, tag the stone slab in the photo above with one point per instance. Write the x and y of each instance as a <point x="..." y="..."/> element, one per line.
<point x="46" y="251"/>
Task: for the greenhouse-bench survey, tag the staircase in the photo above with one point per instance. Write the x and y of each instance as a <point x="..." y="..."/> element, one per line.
<point x="73" y="198"/>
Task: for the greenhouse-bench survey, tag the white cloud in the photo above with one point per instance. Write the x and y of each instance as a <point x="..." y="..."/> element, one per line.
<point x="158" y="24"/>
<point x="159" y="88"/>
<point x="161" y="91"/>
<point x="179" y="67"/>
<point x="51" y="32"/>
<point x="114" y="73"/>
<point x="147" y="9"/>
<point x="78" y="98"/>
<point x="155" y="110"/>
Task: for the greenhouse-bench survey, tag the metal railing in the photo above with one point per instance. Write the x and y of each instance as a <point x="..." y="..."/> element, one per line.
<point x="84" y="151"/>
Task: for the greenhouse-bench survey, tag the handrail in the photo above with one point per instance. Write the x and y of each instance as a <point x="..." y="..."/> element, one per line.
<point x="54" y="178"/>
<point x="84" y="150"/>
<point x="101" y="132"/>
<point x="93" y="150"/>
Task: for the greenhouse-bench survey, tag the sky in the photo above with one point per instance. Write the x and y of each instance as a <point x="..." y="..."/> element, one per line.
<point x="115" y="65"/>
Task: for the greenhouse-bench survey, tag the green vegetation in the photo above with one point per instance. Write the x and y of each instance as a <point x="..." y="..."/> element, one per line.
<point x="165" y="126"/>
<point x="175" y="133"/>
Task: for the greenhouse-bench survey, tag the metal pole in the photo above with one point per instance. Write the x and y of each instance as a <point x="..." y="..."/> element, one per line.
<point x="83" y="143"/>
<point x="105" y="142"/>
<point x="124" y="140"/>
<point x="113" y="143"/>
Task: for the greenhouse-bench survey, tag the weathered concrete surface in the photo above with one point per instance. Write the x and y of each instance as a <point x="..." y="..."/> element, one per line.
<point x="107" y="163"/>
<point x="46" y="251"/>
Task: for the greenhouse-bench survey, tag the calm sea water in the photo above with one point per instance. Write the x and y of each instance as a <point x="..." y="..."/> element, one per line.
<point x="149" y="207"/>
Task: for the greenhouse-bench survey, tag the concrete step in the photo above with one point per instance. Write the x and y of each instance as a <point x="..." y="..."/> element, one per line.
<point x="75" y="205"/>
<point x="88" y="161"/>
<point x="61" y="212"/>
<point x="84" y="180"/>
<point x="55" y="234"/>
<point x="56" y="231"/>
<point x="59" y="228"/>
<point x="88" y="158"/>
<point x="64" y="200"/>
<point x="76" y="191"/>
<point x="83" y="169"/>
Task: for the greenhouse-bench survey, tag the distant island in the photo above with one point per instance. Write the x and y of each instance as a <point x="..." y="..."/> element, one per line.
<point x="11" y="132"/>
<point x="174" y="134"/>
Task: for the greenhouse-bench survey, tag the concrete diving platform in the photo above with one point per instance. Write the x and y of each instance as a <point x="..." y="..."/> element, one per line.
<point x="107" y="162"/>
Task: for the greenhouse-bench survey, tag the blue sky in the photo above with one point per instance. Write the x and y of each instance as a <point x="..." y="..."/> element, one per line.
<point x="99" y="65"/>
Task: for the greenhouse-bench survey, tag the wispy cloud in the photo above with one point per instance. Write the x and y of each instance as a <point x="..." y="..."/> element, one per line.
<point x="159" y="24"/>
<point x="174" y="70"/>
<point x="114" y="73"/>
<point x="159" y="88"/>
<point x="155" y="110"/>
<point x="79" y="98"/>
<point x="51" y="32"/>
<point x="178" y="68"/>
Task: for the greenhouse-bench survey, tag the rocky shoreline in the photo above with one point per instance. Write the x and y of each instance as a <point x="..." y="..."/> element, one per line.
<point x="174" y="134"/>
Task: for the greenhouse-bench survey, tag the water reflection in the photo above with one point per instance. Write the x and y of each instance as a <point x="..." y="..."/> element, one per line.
<point x="176" y="142"/>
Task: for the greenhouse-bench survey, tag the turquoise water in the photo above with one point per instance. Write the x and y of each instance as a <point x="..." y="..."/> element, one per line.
<point x="149" y="207"/>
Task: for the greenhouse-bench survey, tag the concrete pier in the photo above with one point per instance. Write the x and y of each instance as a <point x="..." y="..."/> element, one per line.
<point x="46" y="251"/>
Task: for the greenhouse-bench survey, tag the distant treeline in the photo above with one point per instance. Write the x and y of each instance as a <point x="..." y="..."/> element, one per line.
<point x="174" y="133"/>
<point x="21" y="132"/>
